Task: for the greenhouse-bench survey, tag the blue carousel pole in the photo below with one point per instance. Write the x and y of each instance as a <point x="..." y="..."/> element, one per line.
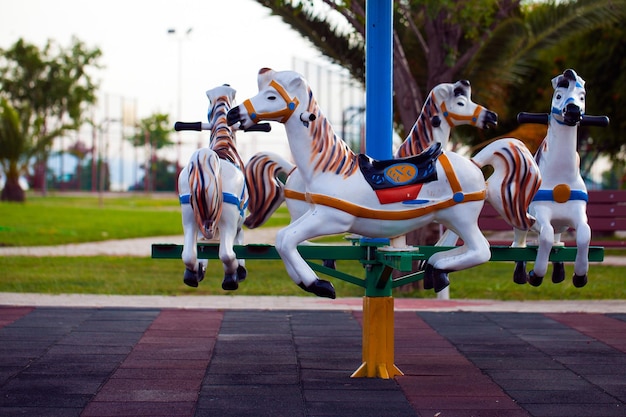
<point x="378" y="306"/>
<point x="378" y="78"/>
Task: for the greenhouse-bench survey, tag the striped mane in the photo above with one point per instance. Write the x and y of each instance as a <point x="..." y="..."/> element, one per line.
<point x="421" y="135"/>
<point x="329" y="152"/>
<point x="223" y="140"/>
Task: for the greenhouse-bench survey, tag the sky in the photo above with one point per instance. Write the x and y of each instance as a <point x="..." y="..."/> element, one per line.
<point x="229" y="41"/>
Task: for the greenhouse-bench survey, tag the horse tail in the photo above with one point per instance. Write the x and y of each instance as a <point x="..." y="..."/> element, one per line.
<point x="266" y="174"/>
<point x="205" y="190"/>
<point x="514" y="182"/>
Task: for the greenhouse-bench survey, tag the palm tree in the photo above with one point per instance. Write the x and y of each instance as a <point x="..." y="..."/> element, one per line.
<point x="13" y="141"/>
<point x="494" y="43"/>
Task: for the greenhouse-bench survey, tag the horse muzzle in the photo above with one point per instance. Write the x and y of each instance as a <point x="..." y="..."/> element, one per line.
<point x="234" y="116"/>
<point x="572" y="114"/>
<point x="490" y="120"/>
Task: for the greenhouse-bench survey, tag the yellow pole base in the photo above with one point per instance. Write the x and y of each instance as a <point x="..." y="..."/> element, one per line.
<point x="378" y="340"/>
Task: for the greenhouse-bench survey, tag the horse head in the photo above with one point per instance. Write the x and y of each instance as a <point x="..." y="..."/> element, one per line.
<point x="280" y="95"/>
<point x="224" y="95"/>
<point x="457" y="107"/>
<point x="568" y="101"/>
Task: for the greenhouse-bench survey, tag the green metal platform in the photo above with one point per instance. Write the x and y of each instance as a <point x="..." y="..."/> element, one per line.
<point x="379" y="261"/>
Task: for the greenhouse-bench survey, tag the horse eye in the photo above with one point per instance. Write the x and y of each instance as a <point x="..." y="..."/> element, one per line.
<point x="558" y="96"/>
<point x="271" y="98"/>
<point x="460" y="104"/>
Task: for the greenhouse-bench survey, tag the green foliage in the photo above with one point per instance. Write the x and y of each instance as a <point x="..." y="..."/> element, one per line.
<point x="50" y="89"/>
<point x="154" y="131"/>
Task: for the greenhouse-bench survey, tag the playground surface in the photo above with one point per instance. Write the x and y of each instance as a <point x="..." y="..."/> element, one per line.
<point x="72" y="355"/>
<point x="85" y="355"/>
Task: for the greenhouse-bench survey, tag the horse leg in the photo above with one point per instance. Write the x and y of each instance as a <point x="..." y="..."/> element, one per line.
<point x="546" y="239"/>
<point x="581" y="264"/>
<point x="520" y="276"/>
<point x="194" y="271"/>
<point x="313" y="223"/>
<point x="228" y="226"/>
<point x="474" y="251"/>
<point x="558" y="268"/>
<point x="242" y="272"/>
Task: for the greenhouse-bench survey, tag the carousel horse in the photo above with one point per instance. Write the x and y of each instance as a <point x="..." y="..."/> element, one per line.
<point x="213" y="195"/>
<point x="448" y="105"/>
<point x="561" y="202"/>
<point x="346" y="192"/>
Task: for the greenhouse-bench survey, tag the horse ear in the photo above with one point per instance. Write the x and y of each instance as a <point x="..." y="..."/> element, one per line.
<point x="443" y="91"/>
<point x="296" y="82"/>
<point x="264" y="77"/>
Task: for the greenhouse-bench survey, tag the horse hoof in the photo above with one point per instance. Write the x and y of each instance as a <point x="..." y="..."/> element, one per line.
<point x="330" y="263"/>
<point x="242" y="273"/>
<point x="579" y="280"/>
<point x="519" y="275"/>
<point x="534" y="280"/>
<point x="429" y="279"/>
<point x="558" y="272"/>
<point x="191" y="278"/>
<point x="230" y="282"/>
<point x="440" y="279"/>
<point x="321" y="288"/>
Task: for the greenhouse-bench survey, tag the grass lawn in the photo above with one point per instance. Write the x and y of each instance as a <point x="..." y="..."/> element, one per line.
<point x="59" y="219"/>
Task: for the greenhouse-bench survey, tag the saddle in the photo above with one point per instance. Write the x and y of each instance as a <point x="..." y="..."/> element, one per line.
<point x="401" y="179"/>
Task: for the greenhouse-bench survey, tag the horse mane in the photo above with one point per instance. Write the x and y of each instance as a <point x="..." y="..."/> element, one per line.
<point x="421" y="135"/>
<point x="223" y="140"/>
<point x="329" y="153"/>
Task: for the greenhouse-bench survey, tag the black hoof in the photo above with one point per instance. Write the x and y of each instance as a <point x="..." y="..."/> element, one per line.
<point x="579" y="280"/>
<point x="330" y="263"/>
<point x="519" y="275"/>
<point x="230" y="282"/>
<point x="558" y="272"/>
<point x="242" y="273"/>
<point x="192" y="278"/>
<point x="534" y="280"/>
<point x="321" y="288"/>
<point x="440" y="279"/>
<point x="429" y="279"/>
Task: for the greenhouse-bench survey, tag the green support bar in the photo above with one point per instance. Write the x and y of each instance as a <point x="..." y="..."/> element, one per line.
<point x="378" y="262"/>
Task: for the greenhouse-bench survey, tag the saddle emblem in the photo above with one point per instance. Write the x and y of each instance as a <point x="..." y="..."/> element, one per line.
<point x="400" y="174"/>
<point x="396" y="180"/>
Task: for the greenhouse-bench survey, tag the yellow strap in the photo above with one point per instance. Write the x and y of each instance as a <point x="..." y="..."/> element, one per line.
<point x="368" y="213"/>
<point x="447" y="168"/>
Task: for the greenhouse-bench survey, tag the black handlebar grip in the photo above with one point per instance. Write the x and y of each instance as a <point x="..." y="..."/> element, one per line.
<point x="259" y="127"/>
<point x="537" y="118"/>
<point x="178" y="126"/>
<point x="600" y="121"/>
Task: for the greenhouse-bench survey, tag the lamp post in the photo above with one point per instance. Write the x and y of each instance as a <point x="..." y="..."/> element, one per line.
<point x="180" y="39"/>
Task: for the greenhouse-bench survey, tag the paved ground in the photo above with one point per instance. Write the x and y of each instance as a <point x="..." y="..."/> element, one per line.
<point x="152" y="361"/>
<point x="81" y="355"/>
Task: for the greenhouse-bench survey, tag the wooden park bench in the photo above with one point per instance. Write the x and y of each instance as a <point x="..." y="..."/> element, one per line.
<point x="606" y="211"/>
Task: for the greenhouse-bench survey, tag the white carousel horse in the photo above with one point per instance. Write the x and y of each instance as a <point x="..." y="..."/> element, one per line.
<point x="352" y="193"/>
<point x="213" y="195"/>
<point x="448" y="105"/>
<point x="561" y="202"/>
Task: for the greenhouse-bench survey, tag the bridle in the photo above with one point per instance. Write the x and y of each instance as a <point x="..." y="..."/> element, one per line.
<point x="283" y="114"/>
<point x="451" y="117"/>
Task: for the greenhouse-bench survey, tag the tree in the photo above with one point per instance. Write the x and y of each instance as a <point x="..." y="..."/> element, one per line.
<point x="154" y="133"/>
<point x="12" y="144"/>
<point x="49" y="89"/>
<point x="494" y="43"/>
